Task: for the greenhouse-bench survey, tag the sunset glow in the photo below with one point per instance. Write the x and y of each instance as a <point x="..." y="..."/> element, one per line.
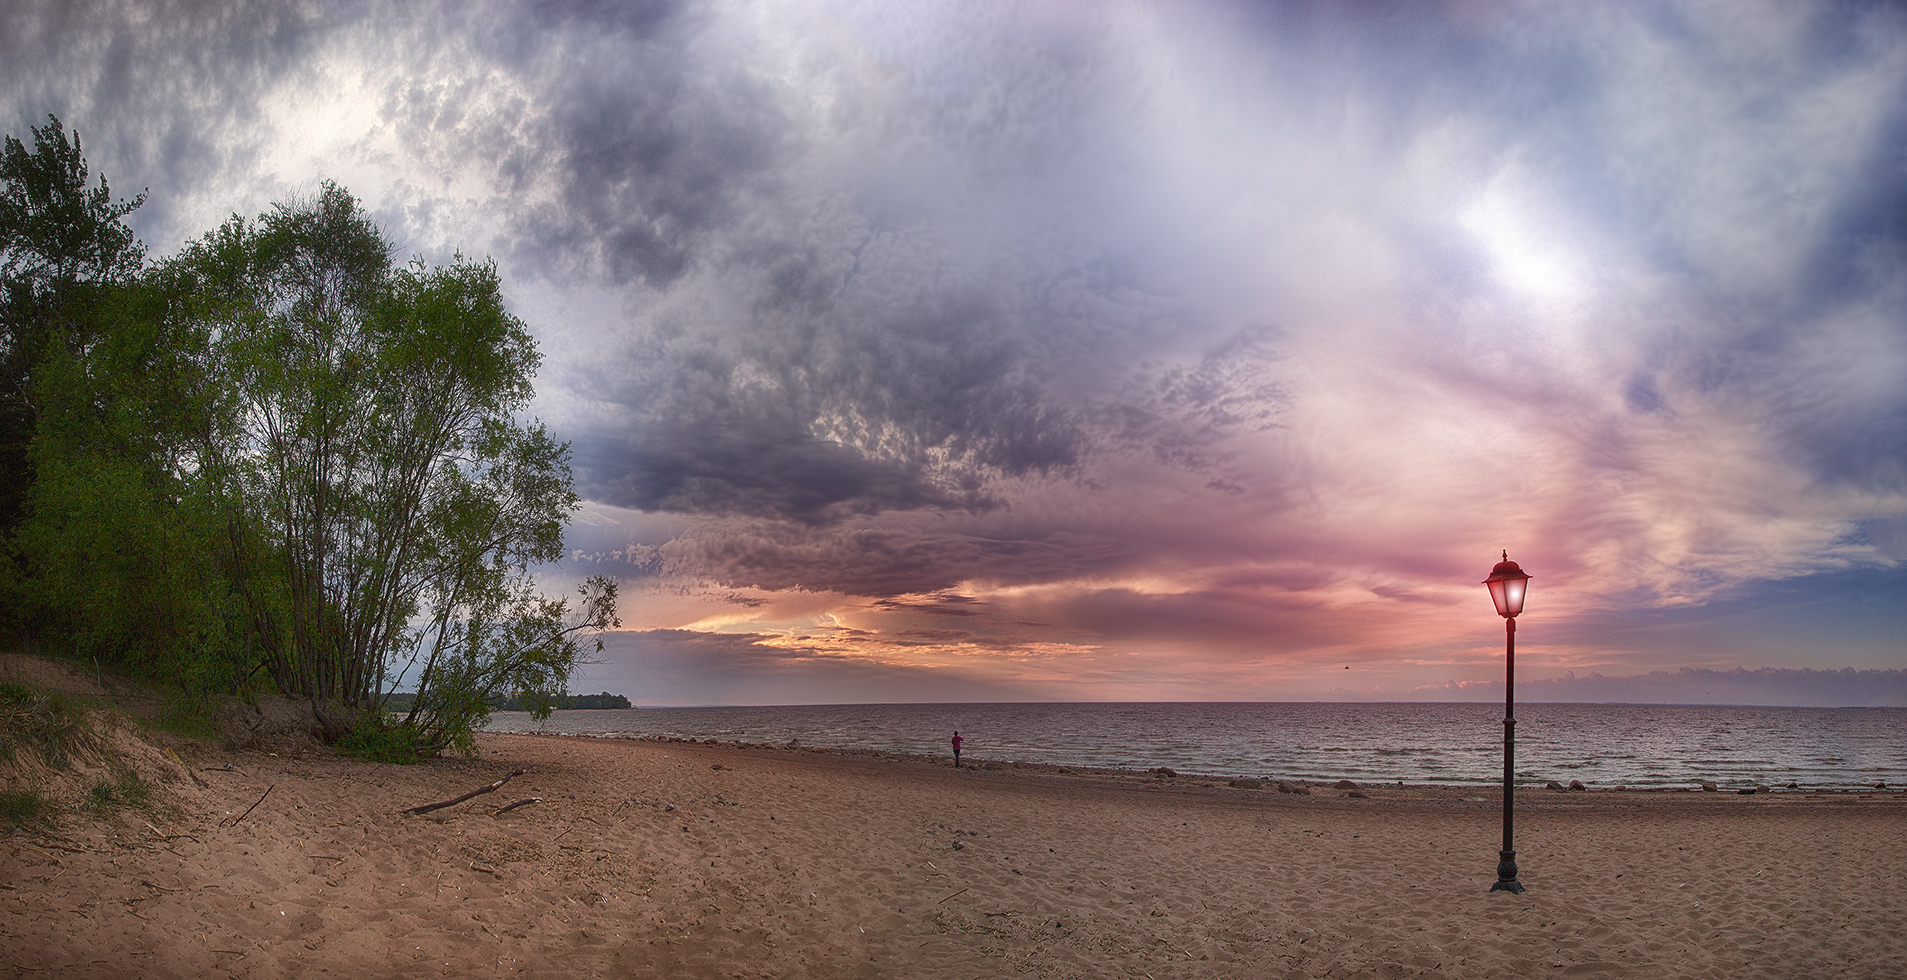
<point x="1133" y="351"/>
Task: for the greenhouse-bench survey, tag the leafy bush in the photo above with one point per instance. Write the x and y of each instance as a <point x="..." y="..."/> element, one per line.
<point x="380" y="741"/>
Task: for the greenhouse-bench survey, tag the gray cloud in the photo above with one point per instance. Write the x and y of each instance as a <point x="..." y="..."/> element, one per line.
<point x="685" y="667"/>
<point x="1272" y="302"/>
<point x="165" y="95"/>
<point x="883" y="561"/>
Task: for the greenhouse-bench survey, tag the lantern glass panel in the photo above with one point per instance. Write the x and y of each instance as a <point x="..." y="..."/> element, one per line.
<point x="1514" y="590"/>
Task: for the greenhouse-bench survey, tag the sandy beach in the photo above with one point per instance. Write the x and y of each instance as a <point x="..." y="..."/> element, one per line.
<point x="658" y="859"/>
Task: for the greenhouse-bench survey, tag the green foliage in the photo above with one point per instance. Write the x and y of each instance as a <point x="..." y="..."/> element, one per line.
<point x="46" y="723"/>
<point x="372" y="449"/>
<point x="62" y="246"/>
<point x="24" y="808"/>
<point x="277" y="454"/>
<point x="104" y="547"/>
<point x="54" y="231"/>
<point x="380" y="741"/>
<point x="569" y="702"/>
<point x="504" y="643"/>
<point x="124" y="555"/>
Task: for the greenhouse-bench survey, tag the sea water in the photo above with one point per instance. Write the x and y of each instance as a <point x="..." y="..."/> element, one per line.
<point x="1603" y="745"/>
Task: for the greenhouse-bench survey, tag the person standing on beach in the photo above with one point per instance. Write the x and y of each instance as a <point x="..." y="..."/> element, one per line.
<point x="956" y="744"/>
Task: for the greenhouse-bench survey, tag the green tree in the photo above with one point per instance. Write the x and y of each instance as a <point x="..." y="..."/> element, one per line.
<point x="383" y="503"/>
<point x="121" y="550"/>
<point x="276" y="452"/>
<point x="114" y="551"/>
<point x="63" y="249"/>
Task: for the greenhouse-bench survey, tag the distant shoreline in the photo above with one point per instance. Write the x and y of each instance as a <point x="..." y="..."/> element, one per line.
<point x="1527" y="792"/>
<point x="1603" y="747"/>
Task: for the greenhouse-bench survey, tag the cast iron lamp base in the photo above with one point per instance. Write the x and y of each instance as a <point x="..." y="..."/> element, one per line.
<point x="1506" y="874"/>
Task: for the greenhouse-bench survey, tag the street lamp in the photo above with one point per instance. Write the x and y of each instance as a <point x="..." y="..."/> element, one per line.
<point x="1508" y="585"/>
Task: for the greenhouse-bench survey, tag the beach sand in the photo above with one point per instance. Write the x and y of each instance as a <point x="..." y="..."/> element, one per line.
<point x="659" y="859"/>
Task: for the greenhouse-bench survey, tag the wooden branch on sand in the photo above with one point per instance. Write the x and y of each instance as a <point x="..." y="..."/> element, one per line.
<point x="248" y="810"/>
<point x="479" y="791"/>
<point x="507" y="807"/>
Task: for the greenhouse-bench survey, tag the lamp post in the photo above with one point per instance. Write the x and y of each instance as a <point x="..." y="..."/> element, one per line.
<point x="1508" y="585"/>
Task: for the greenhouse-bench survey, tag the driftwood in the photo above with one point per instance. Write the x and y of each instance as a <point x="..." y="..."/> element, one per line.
<point x="507" y="807"/>
<point x="479" y="791"/>
<point x="254" y="806"/>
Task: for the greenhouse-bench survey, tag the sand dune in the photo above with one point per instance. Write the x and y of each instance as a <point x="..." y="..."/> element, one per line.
<point x="650" y="859"/>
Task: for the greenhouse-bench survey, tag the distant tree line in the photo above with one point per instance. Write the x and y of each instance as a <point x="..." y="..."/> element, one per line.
<point x="277" y="460"/>
<point x="401" y="701"/>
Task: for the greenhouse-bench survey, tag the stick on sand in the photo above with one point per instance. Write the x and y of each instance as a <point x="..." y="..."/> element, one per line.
<point x="507" y="807"/>
<point x="479" y="791"/>
<point x="254" y="806"/>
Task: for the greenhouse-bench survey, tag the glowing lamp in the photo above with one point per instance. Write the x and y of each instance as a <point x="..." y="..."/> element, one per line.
<point x="1508" y="584"/>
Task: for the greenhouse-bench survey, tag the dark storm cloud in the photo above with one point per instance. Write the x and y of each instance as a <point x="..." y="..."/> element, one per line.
<point x="884" y="561"/>
<point x="748" y="467"/>
<point x="163" y="93"/>
<point x="821" y="409"/>
<point x="629" y="150"/>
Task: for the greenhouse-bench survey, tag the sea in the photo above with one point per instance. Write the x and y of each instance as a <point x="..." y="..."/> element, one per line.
<point x="1640" y="746"/>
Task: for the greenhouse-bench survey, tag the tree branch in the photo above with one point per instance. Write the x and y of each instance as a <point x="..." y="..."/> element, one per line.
<point x="479" y="791"/>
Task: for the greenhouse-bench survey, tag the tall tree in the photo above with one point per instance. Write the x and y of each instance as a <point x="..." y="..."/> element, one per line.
<point x="369" y="454"/>
<point x="63" y="250"/>
<point x="276" y="451"/>
<point x="62" y="244"/>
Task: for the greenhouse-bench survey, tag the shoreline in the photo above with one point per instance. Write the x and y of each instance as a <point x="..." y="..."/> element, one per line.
<point x="651" y="858"/>
<point x="1639" y="747"/>
<point x="1190" y="777"/>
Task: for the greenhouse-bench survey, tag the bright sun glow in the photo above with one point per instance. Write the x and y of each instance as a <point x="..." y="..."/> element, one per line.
<point x="1528" y="251"/>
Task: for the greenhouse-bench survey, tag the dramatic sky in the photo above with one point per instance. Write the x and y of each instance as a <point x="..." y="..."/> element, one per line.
<point x="1125" y="351"/>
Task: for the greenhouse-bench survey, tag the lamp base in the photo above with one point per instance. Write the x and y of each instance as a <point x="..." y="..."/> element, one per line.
<point x="1506" y="874"/>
